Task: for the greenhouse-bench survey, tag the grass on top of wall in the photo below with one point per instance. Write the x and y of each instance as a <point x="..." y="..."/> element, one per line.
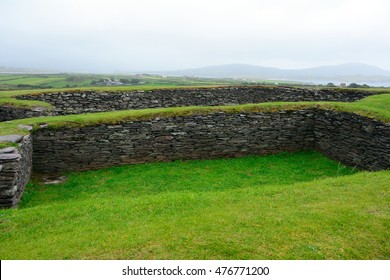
<point x="16" y="103"/>
<point x="113" y="89"/>
<point x="376" y="106"/>
<point x="114" y="117"/>
<point x="108" y="89"/>
<point x="7" y="98"/>
<point x="286" y="206"/>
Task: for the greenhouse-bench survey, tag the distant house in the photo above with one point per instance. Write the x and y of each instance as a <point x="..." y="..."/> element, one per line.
<point x="109" y="82"/>
<point x="343" y="84"/>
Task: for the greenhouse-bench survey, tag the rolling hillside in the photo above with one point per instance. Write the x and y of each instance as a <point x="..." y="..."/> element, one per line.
<point x="350" y="72"/>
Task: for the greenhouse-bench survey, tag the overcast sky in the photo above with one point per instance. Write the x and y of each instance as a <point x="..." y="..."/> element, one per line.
<point x="120" y="35"/>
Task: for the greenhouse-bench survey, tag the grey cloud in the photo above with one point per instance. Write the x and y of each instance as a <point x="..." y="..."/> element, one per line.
<point x="77" y="35"/>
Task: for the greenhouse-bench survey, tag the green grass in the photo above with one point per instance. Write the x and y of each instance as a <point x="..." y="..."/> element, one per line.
<point x="8" y="144"/>
<point x="16" y="103"/>
<point x="33" y="80"/>
<point x="43" y="81"/>
<point x="285" y="206"/>
<point x="14" y="93"/>
<point x="19" y="81"/>
<point x="376" y="106"/>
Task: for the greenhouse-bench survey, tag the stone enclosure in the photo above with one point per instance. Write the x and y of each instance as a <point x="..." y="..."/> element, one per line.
<point x="349" y="138"/>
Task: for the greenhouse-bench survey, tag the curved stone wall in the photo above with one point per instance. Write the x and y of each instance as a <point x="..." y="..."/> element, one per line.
<point x="352" y="139"/>
<point x="78" y="102"/>
<point x="349" y="138"/>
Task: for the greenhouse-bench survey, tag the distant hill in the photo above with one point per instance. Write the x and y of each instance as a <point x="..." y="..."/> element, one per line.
<point x="350" y="72"/>
<point x="20" y="70"/>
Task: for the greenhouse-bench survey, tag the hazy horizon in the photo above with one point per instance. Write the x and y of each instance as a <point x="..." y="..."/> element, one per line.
<point x="151" y="71"/>
<point x="151" y="35"/>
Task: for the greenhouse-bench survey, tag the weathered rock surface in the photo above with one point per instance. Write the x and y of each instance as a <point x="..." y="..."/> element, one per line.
<point x="12" y="113"/>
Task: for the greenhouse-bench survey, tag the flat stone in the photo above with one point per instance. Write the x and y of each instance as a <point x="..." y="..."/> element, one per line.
<point x="39" y="109"/>
<point x="26" y="127"/>
<point x="8" y="193"/>
<point x="8" y="150"/>
<point x="54" y="180"/>
<point x="9" y="156"/>
<point x="15" y="138"/>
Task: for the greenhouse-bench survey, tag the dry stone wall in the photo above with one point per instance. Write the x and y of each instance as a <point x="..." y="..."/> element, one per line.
<point x="78" y="102"/>
<point x="191" y="137"/>
<point x="12" y="113"/>
<point x="353" y="140"/>
<point x="15" y="169"/>
<point x="348" y="138"/>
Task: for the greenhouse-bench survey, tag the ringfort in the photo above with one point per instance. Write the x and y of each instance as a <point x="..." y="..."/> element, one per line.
<point x="60" y="131"/>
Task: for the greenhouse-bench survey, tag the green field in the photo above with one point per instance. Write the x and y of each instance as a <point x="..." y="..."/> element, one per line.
<point x="285" y="206"/>
<point x="44" y="81"/>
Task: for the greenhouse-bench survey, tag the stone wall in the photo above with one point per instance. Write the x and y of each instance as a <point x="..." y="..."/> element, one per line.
<point x="77" y="102"/>
<point x="349" y="138"/>
<point x="353" y="140"/>
<point x="15" y="169"/>
<point x="12" y="113"/>
<point x="188" y="137"/>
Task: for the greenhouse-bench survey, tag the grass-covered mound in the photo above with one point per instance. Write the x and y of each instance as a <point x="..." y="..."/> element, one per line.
<point x="286" y="206"/>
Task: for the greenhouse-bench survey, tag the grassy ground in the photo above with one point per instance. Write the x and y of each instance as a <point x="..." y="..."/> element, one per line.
<point x="286" y="206"/>
<point x="42" y="81"/>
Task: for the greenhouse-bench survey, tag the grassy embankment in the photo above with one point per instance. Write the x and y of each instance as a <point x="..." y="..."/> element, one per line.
<point x="286" y="206"/>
